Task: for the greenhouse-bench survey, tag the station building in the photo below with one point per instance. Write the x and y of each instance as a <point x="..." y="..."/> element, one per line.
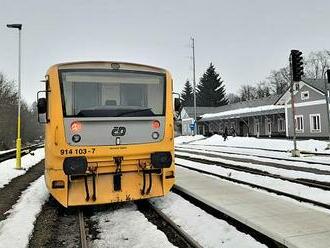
<point x="267" y="117"/>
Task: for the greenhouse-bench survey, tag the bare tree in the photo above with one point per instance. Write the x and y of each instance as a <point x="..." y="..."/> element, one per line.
<point x="279" y="80"/>
<point x="233" y="98"/>
<point x="247" y="92"/>
<point x="316" y="64"/>
<point x="8" y="117"/>
<point x="263" y="89"/>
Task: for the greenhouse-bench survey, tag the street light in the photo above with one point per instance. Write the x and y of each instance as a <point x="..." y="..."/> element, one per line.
<point x="194" y="85"/>
<point x="18" y="140"/>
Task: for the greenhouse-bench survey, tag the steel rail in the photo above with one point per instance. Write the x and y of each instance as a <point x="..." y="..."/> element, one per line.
<point x="256" y="155"/>
<point x="191" y="242"/>
<point x="254" y="159"/>
<point x="83" y="238"/>
<point x="263" y="149"/>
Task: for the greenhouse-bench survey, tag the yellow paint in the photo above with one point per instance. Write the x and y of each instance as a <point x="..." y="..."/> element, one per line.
<point x="102" y="160"/>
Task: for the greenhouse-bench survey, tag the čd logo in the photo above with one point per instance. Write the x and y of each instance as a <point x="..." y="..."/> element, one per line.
<point x="118" y="131"/>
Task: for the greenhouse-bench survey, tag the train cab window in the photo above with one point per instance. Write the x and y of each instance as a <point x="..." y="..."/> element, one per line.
<point x="90" y="93"/>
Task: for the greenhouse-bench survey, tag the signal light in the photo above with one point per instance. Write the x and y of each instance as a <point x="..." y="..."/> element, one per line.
<point x="297" y="65"/>
<point x="75" y="127"/>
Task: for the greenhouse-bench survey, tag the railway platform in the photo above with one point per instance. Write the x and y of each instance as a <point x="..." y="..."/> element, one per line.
<point x="287" y="221"/>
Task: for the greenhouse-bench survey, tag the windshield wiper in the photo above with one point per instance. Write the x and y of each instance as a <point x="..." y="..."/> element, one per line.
<point x="135" y="111"/>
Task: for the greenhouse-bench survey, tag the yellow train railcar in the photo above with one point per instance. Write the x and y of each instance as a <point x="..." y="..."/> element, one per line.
<point x="108" y="132"/>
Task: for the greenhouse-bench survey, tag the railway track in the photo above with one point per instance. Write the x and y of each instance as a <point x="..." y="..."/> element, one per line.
<point x="12" y="153"/>
<point x="303" y="181"/>
<point x="83" y="238"/>
<point x="270" y="162"/>
<point x="176" y="235"/>
<point x="215" y="212"/>
<point x="248" y="153"/>
<point x="265" y="149"/>
<point x="271" y="190"/>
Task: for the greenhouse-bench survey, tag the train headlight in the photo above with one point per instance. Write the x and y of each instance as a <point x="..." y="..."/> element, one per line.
<point x="161" y="159"/>
<point x="75" y="165"/>
<point x="76" y="138"/>
<point x="155" y="135"/>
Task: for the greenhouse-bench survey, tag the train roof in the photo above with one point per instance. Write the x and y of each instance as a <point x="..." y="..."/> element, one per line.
<point x="107" y="65"/>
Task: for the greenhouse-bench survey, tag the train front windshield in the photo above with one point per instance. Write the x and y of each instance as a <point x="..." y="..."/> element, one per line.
<point x="91" y="93"/>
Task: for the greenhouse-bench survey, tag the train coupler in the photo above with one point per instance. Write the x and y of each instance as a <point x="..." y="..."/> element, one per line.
<point x="118" y="174"/>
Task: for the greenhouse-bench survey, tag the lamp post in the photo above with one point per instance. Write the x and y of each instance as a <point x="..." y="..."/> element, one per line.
<point x="194" y="85"/>
<point x="18" y="140"/>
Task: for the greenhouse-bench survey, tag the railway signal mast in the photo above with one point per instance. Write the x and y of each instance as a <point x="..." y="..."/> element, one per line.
<point x="296" y="71"/>
<point x="326" y="95"/>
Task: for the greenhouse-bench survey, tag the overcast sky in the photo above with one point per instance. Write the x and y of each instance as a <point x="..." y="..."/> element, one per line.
<point x="245" y="39"/>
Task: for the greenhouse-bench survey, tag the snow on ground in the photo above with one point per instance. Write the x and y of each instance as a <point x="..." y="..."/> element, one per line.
<point x="8" y="171"/>
<point x="17" y="228"/>
<point x="272" y="170"/>
<point x="186" y="139"/>
<point x="315" y="194"/>
<point x="4" y="151"/>
<point x="255" y="152"/>
<point x="127" y="227"/>
<point x="251" y="142"/>
<point x="207" y="230"/>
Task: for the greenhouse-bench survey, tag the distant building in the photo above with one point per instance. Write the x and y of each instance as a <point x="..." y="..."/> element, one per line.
<point x="258" y="117"/>
<point x="187" y="117"/>
<point x="310" y="109"/>
<point x="271" y="116"/>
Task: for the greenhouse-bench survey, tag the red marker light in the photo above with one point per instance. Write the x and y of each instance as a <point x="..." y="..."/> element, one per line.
<point x="155" y="124"/>
<point x="75" y="127"/>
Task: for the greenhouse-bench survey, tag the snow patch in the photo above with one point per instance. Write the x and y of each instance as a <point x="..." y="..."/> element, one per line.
<point x="272" y="170"/>
<point x="311" y="145"/>
<point x="8" y="171"/>
<point x="207" y="230"/>
<point x="127" y="227"/>
<point x="15" y="231"/>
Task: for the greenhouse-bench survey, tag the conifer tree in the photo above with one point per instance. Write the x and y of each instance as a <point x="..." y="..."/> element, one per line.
<point x="211" y="90"/>
<point x="187" y="95"/>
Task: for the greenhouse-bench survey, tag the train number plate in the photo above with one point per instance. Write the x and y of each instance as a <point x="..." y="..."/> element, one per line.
<point x="77" y="151"/>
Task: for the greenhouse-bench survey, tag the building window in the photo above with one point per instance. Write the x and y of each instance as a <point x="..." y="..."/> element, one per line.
<point x="281" y="125"/>
<point x="315" y="123"/>
<point x="304" y="95"/>
<point x="299" y="123"/>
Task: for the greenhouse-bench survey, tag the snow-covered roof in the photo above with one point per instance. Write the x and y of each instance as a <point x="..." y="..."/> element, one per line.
<point x="244" y="112"/>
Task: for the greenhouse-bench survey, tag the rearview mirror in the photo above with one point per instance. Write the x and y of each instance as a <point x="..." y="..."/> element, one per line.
<point x="42" y="105"/>
<point x="177" y="105"/>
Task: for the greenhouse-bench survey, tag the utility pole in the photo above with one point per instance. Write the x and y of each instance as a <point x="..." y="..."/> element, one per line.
<point x="326" y="92"/>
<point x="18" y="140"/>
<point x="194" y="85"/>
